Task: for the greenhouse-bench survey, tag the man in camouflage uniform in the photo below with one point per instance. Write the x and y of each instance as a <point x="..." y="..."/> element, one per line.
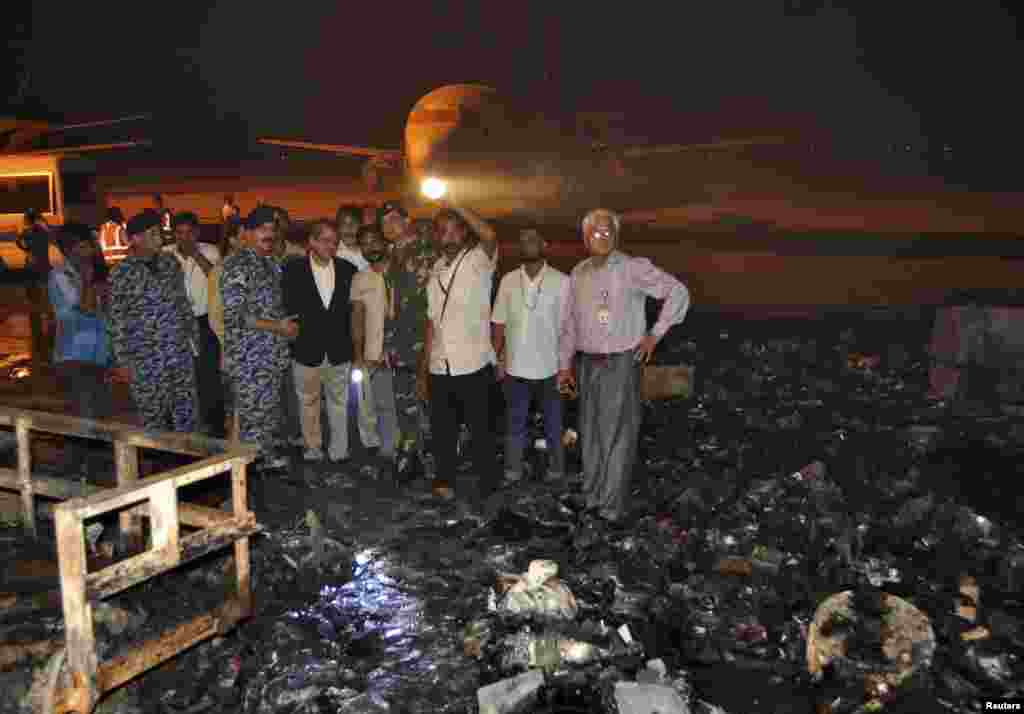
<point x="256" y="334"/>
<point x="152" y="329"/>
<point x="412" y="258"/>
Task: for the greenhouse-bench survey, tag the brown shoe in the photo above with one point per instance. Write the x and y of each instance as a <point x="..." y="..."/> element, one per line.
<point x="441" y="489"/>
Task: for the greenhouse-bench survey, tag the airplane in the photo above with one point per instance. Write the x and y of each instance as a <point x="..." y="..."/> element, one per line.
<point x="48" y="169"/>
<point x="793" y="218"/>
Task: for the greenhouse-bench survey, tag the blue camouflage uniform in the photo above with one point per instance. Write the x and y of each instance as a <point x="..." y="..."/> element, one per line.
<point x="152" y="333"/>
<point x="254" y="360"/>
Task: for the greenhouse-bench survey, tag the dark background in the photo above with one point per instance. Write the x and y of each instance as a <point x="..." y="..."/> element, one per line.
<point x="929" y="73"/>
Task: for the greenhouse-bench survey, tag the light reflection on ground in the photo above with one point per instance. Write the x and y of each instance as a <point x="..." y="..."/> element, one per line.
<point x="380" y="619"/>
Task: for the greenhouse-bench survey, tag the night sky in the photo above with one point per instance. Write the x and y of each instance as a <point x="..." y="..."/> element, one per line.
<point x="334" y="73"/>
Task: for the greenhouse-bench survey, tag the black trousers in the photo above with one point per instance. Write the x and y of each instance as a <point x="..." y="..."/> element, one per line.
<point x="208" y="379"/>
<point x="466" y="396"/>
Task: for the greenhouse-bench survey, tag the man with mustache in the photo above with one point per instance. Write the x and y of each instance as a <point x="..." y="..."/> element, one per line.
<point x="525" y="326"/>
<point x="458" y="346"/>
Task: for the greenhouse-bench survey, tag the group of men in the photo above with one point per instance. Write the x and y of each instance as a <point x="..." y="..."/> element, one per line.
<point x="408" y="305"/>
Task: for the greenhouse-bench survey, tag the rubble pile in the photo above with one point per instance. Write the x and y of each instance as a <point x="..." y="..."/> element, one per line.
<point x="808" y="467"/>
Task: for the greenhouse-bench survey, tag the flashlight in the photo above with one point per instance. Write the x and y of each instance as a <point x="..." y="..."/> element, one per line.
<point x="434" y="188"/>
<point x="357" y="375"/>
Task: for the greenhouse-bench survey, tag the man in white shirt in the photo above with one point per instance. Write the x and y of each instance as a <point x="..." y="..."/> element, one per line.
<point x="197" y="260"/>
<point x="525" y="328"/>
<point x="458" y="345"/>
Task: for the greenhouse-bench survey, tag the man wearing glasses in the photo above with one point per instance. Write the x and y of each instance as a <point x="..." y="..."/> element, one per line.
<point x="605" y="321"/>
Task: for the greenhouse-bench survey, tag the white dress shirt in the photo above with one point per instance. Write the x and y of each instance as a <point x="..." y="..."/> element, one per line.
<point x="197" y="285"/>
<point x="531" y="311"/>
<point x="462" y="336"/>
<point x="323" y="275"/>
<point x="354" y="256"/>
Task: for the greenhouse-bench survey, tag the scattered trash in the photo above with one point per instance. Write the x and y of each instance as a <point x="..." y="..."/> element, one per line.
<point x="538" y="591"/>
<point x="871" y="636"/>
<point x="795" y="470"/>
<point x="638" y="698"/>
<point x="510" y="696"/>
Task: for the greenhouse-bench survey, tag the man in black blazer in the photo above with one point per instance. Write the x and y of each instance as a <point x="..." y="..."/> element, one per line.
<point x="316" y="291"/>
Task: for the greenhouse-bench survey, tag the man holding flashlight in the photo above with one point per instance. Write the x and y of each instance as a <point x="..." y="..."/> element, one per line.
<point x="605" y="321"/>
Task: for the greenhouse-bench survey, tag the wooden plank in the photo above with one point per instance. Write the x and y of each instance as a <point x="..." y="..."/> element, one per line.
<point x="190" y="514"/>
<point x="117" y="498"/>
<point x="47" y="486"/>
<point x="127" y="573"/>
<point x="15" y="604"/>
<point x="122" y="670"/>
<point x="239" y="495"/>
<point x="126" y="466"/>
<point x="163" y="522"/>
<point x="138" y="569"/>
<point x="12" y="654"/>
<point x="78" y="624"/>
<point x="189" y="444"/>
<point x="28" y="513"/>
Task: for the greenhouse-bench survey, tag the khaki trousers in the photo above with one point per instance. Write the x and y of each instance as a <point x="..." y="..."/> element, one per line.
<point x="333" y="380"/>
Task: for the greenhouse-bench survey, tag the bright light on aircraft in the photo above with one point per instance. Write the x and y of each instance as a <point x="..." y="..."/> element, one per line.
<point x="357" y="375"/>
<point x="434" y="188"/>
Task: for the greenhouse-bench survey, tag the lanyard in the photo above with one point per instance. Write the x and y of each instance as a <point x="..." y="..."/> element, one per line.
<point x="451" y="281"/>
<point x="540" y="285"/>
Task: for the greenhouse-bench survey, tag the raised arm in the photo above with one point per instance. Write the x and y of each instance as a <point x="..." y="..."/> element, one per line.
<point x="484" y="230"/>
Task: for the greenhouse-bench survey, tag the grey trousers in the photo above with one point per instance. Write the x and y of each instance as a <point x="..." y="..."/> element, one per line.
<point x="366" y="415"/>
<point x="609" y="424"/>
<point x="377" y="403"/>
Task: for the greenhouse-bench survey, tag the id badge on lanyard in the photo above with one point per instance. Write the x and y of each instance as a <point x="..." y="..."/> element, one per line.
<point x="604" y="314"/>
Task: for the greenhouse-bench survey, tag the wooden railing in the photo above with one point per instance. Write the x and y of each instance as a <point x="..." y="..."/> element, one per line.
<point x="82" y="679"/>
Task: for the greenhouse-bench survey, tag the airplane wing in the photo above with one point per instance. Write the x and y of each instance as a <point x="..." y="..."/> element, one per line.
<point x="716" y="146"/>
<point x="390" y="156"/>
<point x="40" y="139"/>
<point x="87" y="148"/>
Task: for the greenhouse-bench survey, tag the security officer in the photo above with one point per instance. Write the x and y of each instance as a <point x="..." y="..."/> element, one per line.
<point x="153" y="332"/>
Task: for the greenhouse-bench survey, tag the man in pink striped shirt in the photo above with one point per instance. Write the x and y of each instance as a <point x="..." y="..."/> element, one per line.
<point x="604" y="319"/>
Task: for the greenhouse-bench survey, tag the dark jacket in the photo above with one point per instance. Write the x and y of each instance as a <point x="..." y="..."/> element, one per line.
<point x="322" y="331"/>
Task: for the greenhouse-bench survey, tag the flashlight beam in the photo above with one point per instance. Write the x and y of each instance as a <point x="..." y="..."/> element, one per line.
<point x="434" y="188"/>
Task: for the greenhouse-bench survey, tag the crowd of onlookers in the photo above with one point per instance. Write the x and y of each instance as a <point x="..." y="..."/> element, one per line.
<point x="256" y="337"/>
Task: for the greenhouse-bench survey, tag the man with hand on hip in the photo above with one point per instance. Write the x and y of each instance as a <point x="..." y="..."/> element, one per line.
<point x="605" y="321"/>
